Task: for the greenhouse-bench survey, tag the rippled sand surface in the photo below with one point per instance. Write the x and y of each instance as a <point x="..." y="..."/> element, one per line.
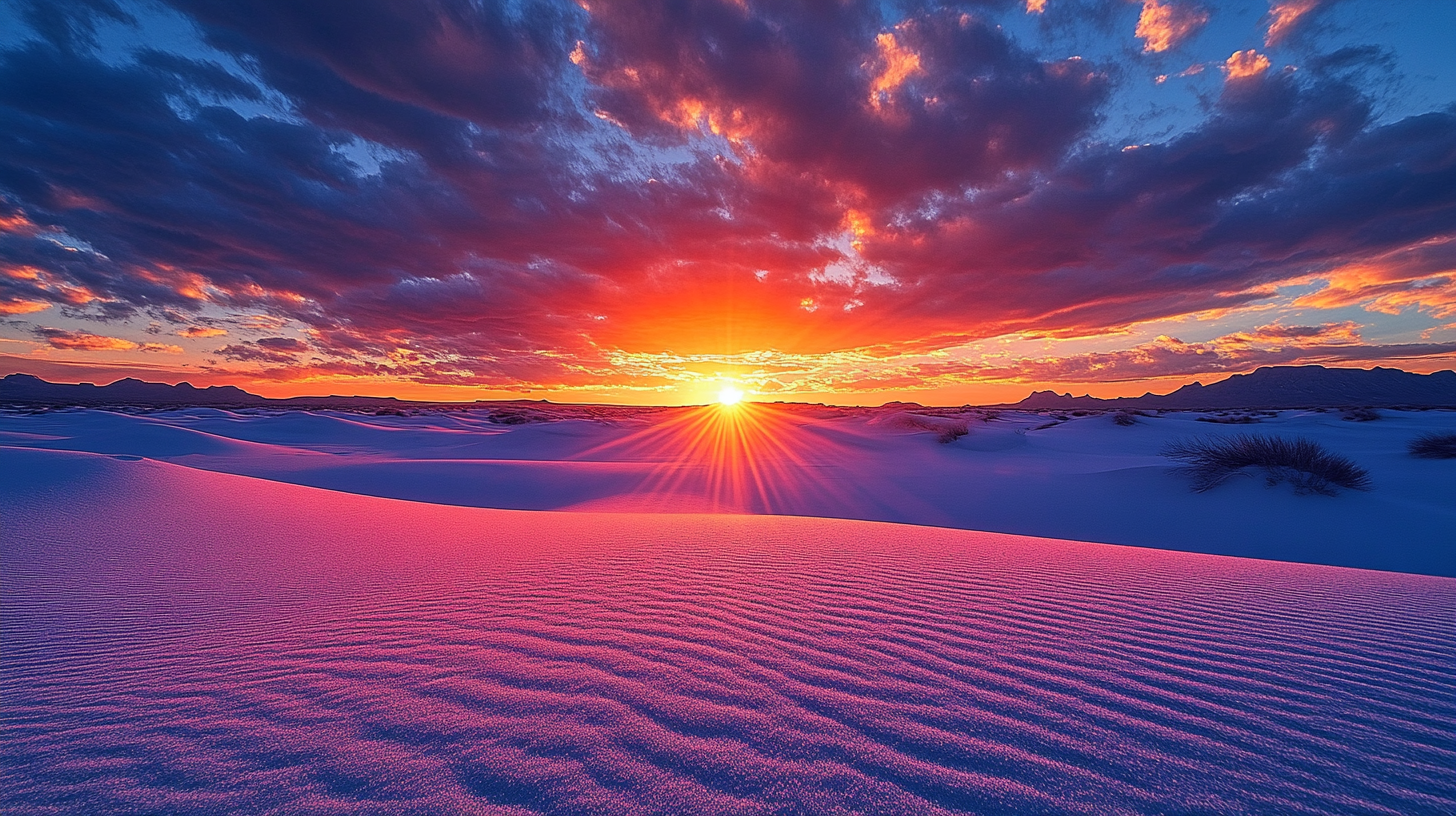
<point x="177" y="641"/>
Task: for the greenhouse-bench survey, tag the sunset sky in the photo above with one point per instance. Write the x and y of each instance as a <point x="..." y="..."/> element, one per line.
<point x="644" y="201"/>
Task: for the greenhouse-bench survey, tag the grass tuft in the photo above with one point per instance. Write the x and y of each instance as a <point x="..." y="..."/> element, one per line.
<point x="951" y="433"/>
<point x="1236" y="419"/>
<point x="1302" y="462"/>
<point x="1434" y="446"/>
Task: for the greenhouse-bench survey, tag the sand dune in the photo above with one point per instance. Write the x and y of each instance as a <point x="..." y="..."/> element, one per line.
<point x="189" y="642"/>
<point x="1084" y="478"/>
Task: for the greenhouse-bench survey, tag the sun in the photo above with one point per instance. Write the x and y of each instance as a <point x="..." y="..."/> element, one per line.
<point x="730" y="395"/>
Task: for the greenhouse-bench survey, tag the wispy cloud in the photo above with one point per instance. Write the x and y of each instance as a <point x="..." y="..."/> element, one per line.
<point x="1285" y="17"/>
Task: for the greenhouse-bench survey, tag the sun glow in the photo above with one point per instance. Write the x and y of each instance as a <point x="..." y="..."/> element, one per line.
<point x="730" y="395"/>
<point x="753" y="458"/>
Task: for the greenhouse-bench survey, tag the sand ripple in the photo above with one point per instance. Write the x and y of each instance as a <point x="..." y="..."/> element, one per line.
<point x="181" y="642"/>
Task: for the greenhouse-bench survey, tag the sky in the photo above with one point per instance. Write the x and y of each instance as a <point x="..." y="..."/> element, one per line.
<point x="646" y="202"/>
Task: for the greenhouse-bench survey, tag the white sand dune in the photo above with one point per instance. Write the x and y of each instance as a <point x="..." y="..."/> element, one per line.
<point x="1085" y="479"/>
<point x="179" y="641"/>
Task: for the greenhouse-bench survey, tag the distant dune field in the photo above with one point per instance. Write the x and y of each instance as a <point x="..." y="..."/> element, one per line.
<point x="1072" y="475"/>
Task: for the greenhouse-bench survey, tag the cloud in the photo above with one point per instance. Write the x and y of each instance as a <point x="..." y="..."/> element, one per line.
<point x="487" y="63"/>
<point x="277" y="350"/>
<point x="84" y="341"/>
<point x="880" y="109"/>
<point x="1422" y="277"/>
<point x="1285" y="18"/>
<point x="284" y="344"/>
<point x="897" y="65"/>
<point x="1344" y="332"/>
<point x="881" y="369"/>
<point x="1285" y="177"/>
<point x="1164" y="26"/>
<point x="201" y="331"/>
<point x="16" y="306"/>
<point x="1171" y="357"/>
<point x="426" y="190"/>
<point x="1245" y="64"/>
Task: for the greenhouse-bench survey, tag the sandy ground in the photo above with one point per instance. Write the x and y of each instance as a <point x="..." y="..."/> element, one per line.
<point x="183" y="641"/>
<point x="1084" y="478"/>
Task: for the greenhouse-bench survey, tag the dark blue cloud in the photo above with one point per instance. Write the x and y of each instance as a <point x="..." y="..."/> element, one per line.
<point x="894" y="108"/>
<point x="1284" y="178"/>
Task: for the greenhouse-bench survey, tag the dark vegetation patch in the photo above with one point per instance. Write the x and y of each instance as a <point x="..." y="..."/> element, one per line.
<point x="1302" y="462"/>
<point x="1239" y="417"/>
<point x="1434" y="446"/>
<point x="1124" y="418"/>
<point x="1360" y="415"/>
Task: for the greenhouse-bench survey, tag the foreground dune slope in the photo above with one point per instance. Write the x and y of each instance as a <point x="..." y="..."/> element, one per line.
<point x="190" y="642"/>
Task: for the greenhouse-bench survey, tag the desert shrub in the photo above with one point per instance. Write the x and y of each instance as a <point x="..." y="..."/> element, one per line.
<point x="1302" y="462"/>
<point x="1361" y="415"/>
<point x="945" y="428"/>
<point x="1123" y="418"/>
<point x="951" y="434"/>
<point x="1238" y="419"/>
<point x="1434" y="446"/>
<point x="508" y="417"/>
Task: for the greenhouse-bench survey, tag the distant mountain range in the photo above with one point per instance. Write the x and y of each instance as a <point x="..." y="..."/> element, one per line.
<point x="1310" y="386"/>
<point x="1271" y="387"/>
<point x="32" y="390"/>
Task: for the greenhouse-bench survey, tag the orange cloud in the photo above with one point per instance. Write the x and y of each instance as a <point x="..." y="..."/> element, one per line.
<point x="187" y="284"/>
<point x="1244" y="64"/>
<point x="15" y="306"/>
<point x="1166" y="356"/>
<point x="41" y="284"/>
<point x="898" y="64"/>
<point x="83" y="341"/>
<point x="1035" y="6"/>
<point x="16" y="222"/>
<point x="1279" y="335"/>
<point x="201" y="331"/>
<point x="1284" y="16"/>
<point x="1422" y="276"/>
<point x="1164" y="26"/>
<point x="164" y="348"/>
